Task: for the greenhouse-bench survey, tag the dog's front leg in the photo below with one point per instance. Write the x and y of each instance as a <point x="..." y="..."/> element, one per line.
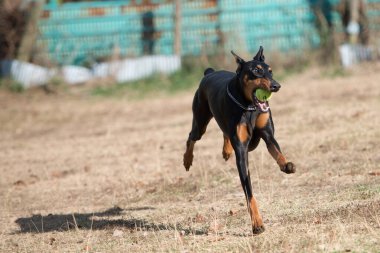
<point x="275" y="151"/>
<point x="240" y="143"/>
<point x="267" y="134"/>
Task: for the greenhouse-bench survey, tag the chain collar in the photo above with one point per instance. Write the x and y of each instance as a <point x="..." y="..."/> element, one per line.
<point x="246" y="108"/>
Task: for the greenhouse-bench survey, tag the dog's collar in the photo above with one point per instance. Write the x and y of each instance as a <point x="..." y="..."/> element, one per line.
<point x="246" y="108"/>
<point x="262" y="106"/>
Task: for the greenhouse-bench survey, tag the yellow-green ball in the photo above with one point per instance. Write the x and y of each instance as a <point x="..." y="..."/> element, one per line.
<point x="263" y="95"/>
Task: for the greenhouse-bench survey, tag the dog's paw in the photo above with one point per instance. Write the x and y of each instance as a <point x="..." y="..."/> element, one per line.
<point x="289" y="168"/>
<point x="187" y="161"/>
<point x="226" y="155"/>
<point x="258" y="230"/>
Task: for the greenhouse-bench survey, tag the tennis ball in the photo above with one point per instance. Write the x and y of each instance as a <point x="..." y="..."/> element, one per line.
<point x="263" y="95"/>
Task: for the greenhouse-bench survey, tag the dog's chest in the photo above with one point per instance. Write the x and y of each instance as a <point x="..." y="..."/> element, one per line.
<point x="261" y="120"/>
<point x="255" y="119"/>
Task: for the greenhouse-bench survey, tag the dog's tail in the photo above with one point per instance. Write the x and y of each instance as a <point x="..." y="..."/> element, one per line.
<point x="208" y="71"/>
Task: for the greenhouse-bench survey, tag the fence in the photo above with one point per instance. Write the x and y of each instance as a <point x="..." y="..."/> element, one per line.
<point x="86" y="32"/>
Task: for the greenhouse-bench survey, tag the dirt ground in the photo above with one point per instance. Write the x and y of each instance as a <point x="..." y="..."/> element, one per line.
<point x="84" y="174"/>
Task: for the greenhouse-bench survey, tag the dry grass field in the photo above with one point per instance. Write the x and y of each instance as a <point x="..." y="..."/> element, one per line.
<point x="85" y="174"/>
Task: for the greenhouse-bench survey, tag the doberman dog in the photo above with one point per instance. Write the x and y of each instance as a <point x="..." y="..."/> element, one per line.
<point x="243" y="118"/>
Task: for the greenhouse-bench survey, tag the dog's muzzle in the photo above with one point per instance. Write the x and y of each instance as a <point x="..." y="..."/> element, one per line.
<point x="274" y="86"/>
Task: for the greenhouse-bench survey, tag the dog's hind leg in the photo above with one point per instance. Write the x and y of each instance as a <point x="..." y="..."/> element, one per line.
<point x="201" y="117"/>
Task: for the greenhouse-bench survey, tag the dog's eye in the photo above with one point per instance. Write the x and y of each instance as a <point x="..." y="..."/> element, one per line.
<point x="258" y="72"/>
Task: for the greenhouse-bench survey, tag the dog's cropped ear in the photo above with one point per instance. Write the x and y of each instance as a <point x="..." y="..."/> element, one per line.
<point x="260" y="56"/>
<point x="240" y="62"/>
<point x="238" y="59"/>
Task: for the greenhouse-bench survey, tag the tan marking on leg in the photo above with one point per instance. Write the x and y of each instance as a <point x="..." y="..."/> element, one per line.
<point x="285" y="166"/>
<point x="276" y="154"/>
<point x="227" y="148"/>
<point x="242" y="132"/>
<point x="257" y="221"/>
<point x="188" y="156"/>
<point x="281" y="160"/>
<point x="262" y="120"/>
<point x="279" y="157"/>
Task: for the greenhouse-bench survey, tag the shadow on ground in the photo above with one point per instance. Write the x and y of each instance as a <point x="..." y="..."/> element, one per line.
<point x="95" y="221"/>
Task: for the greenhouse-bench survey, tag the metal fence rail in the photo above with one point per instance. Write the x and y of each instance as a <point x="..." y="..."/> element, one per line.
<point x="76" y="33"/>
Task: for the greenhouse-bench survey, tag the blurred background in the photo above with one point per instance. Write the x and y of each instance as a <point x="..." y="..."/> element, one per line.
<point x="72" y="42"/>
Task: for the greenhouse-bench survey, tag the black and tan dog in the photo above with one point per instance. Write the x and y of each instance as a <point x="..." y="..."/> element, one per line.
<point x="230" y="99"/>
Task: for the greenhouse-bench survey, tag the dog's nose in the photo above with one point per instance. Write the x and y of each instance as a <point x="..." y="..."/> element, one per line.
<point x="275" y="86"/>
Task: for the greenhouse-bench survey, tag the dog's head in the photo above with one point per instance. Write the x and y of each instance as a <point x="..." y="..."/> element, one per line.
<point x="255" y="74"/>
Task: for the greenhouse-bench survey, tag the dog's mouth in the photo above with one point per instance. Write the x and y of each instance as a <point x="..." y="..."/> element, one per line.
<point x="263" y="105"/>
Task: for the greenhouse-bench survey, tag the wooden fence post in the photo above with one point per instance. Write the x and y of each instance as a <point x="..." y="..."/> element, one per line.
<point x="354" y="13"/>
<point x="30" y="35"/>
<point x="177" y="28"/>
